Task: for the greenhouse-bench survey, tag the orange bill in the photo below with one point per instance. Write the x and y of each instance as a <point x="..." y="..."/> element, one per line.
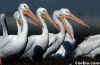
<point x="29" y="13"/>
<point x="71" y="16"/>
<point x="47" y="17"/>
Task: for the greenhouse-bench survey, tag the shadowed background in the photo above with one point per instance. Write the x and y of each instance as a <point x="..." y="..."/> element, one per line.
<point x="87" y="10"/>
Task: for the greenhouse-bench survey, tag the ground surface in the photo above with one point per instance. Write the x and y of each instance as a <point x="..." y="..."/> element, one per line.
<point x="64" y="61"/>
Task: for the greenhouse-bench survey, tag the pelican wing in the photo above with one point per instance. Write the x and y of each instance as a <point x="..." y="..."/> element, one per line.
<point x="52" y="38"/>
<point x="87" y="45"/>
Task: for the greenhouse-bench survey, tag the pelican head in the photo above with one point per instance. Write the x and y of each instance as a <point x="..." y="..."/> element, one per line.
<point x="68" y="15"/>
<point x="43" y="13"/>
<point x="65" y="11"/>
<point x="58" y="14"/>
<point x="24" y="8"/>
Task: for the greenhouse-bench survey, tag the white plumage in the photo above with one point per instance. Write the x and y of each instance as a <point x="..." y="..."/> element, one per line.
<point x="14" y="44"/>
<point x="88" y="47"/>
<point x="55" y="40"/>
<point x="37" y="44"/>
<point x="68" y="46"/>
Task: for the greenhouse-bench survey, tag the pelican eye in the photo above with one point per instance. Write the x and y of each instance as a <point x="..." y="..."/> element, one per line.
<point x="44" y="11"/>
<point x="25" y="6"/>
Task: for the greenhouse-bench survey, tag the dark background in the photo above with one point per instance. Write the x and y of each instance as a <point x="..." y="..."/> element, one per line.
<point x="87" y="10"/>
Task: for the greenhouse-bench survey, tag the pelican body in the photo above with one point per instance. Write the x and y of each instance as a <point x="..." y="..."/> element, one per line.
<point x="55" y="40"/>
<point x="89" y="47"/>
<point x="68" y="45"/>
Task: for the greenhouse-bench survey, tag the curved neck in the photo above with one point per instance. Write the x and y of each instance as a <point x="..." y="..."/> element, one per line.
<point x="19" y="28"/>
<point x="4" y="26"/>
<point x="70" y="28"/>
<point x="44" y="26"/>
<point x="57" y="21"/>
<point x="24" y="25"/>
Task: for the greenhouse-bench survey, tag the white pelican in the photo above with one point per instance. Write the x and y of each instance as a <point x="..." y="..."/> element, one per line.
<point x="89" y="47"/>
<point x="55" y="40"/>
<point x="37" y="44"/>
<point x="16" y="43"/>
<point x="69" y="43"/>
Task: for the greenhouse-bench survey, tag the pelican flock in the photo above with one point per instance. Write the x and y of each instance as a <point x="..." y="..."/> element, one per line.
<point x="69" y="41"/>
<point x="46" y="44"/>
